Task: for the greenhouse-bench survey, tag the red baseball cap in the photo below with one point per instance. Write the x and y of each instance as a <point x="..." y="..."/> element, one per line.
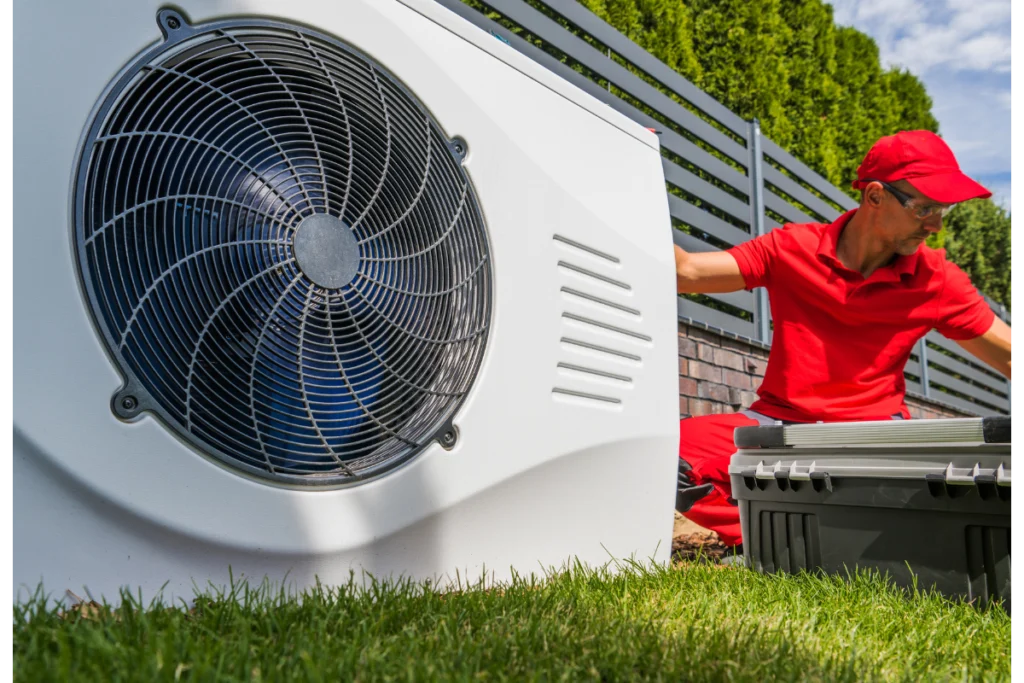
<point x="925" y="161"/>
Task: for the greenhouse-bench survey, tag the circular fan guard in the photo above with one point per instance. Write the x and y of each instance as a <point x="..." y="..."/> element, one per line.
<point x="282" y="251"/>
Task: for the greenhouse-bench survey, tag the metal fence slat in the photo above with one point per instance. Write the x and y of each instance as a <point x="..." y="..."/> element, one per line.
<point x="799" y="193"/>
<point x="590" y="23"/>
<point x="938" y="378"/>
<point x="698" y="218"/>
<point x="705" y="191"/>
<point x="799" y="169"/>
<point x="730" y="323"/>
<point x="785" y="209"/>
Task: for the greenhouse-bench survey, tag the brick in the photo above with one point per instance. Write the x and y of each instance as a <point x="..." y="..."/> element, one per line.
<point x="706" y="353"/>
<point x="755" y="366"/>
<point x="687" y="386"/>
<point x="684" y="367"/>
<point x="684" y="407"/>
<point x="738" y="346"/>
<point x="747" y="398"/>
<point x="736" y="380"/>
<point x="720" y="392"/>
<point x="687" y="347"/>
<point x="704" y="371"/>
<point x="735" y="397"/>
<point x="701" y="407"/>
<point x="704" y="336"/>
<point x="715" y="392"/>
<point x="728" y="359"/>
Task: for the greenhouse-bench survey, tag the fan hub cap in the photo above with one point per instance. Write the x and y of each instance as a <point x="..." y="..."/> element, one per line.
<point x="326" y="251"/>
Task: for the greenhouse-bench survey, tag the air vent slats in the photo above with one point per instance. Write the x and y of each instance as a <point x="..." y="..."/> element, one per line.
<point x="600" y="300"/>
<point x="600" y="330"/>
<point x="598" y="373"/>
<point x="593" y="275"/>
<point x="585" y="248"/>
<point x="606" y="326"/>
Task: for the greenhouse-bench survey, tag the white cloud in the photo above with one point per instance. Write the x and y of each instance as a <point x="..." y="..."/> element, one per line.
<point x="961" y="35"/>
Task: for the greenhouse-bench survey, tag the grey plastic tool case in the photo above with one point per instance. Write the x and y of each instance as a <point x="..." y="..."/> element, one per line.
<point x="931" y="494"/>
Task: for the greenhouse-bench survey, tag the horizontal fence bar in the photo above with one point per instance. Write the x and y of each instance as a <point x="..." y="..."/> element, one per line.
<point x="679" y="146"/>
<point x="913" y="367"/>
<point x="936" y="338"/>
<point x="743" y="299"/>
<point x="773" y="176"/>
<point x="730" y="323"/>
<point x="590" y="23"/>
<point x="800" y="170"/>
<point x="960" y="404"/>
<point x="690" y="243"/>
<point x="705" y="191"/>
<point x="914" y="386"/>
<point x="785" y="209"/>
<point x="954" y="348"/>
<point x="709" y="223"/>
<point x="956" y="367"/>
<point x="938" y="378"/>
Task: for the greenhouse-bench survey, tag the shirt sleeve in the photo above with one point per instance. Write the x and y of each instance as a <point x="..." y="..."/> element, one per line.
<point x="962" y="312"/>
<point x="755" y="258"/>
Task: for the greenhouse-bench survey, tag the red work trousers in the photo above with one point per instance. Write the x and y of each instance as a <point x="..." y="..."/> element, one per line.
<point x="706" y="443"/>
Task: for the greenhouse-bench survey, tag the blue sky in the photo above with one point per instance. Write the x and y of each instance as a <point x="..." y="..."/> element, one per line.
<point x="960" y="49"/>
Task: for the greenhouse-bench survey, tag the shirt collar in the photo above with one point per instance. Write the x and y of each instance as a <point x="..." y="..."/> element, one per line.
<point x="901" y="268"/>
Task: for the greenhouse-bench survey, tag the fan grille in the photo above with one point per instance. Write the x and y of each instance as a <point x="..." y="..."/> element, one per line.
<point x="282" y="251"/>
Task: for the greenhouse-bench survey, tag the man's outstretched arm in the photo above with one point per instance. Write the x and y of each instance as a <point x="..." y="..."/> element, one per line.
<point x="993" y="347"/>
<point x="707" y="272"/>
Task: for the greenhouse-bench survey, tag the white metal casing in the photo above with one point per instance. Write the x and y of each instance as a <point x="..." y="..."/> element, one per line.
<point x="537" y="477"/>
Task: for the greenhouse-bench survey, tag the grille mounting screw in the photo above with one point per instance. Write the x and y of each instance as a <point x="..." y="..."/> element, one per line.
<point x="448" y="438"/>
<point x="459" y="147"/>
<point x="129" y="403"/>
<point x="173" y="23"/>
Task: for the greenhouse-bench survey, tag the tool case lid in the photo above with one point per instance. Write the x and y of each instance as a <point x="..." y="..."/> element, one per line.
<point x="951" y="467"/>
<point x="977" y="430"/>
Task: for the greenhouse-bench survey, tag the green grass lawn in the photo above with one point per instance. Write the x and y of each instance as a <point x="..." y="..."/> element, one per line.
<point x="696" y="621"/>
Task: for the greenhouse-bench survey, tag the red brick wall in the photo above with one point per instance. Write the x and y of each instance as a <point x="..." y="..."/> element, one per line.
<point x="719" y="373"/>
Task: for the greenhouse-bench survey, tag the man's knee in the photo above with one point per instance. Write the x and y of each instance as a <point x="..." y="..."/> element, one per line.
<point x="706" y="442"/>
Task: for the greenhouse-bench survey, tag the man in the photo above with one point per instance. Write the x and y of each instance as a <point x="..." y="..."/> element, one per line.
<point x="849" y="301"/>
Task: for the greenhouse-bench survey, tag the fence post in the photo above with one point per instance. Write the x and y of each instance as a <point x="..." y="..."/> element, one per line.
<point x="762" y="312"/>
<point x="922" y="357"/>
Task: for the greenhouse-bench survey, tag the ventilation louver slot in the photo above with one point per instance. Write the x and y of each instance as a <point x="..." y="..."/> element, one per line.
<point x="600" y="341"/>
<point x="282" y="251"/>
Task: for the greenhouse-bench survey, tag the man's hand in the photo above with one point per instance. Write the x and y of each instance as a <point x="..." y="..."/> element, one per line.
<point x="707" y="272"/>
<point x="993" y="347"/>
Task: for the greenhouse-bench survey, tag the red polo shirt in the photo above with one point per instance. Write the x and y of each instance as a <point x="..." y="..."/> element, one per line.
<point x="841" y="340"/>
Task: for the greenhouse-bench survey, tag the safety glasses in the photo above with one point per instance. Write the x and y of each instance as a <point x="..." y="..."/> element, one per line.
<point x="921" y="209"/>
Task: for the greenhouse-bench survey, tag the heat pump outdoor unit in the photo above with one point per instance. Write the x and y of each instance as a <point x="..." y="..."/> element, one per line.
<point x="308" y="288"/>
